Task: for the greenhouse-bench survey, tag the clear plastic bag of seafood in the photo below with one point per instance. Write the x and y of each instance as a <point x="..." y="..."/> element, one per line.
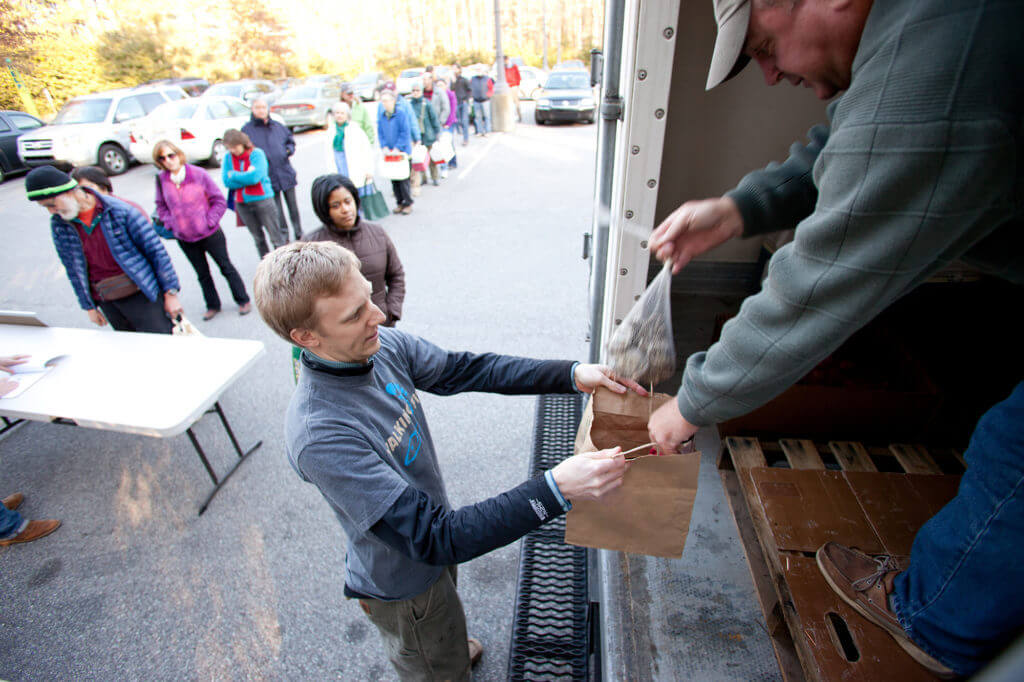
<point x="642" y="348"/>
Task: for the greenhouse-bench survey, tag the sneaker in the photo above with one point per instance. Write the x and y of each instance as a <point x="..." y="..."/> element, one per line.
<point x="406" y="210"/>
<point x="245" y="308"/>
<point x="210" y="314"/>
<point x="33" y="531"/>
<point x="398" y="209"/>
<point x="865" y="583"/>
<point x="476" y="651"/>
<point x="14" y="501"/>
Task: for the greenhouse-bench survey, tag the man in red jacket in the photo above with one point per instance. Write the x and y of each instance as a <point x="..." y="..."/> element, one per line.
<point x="513" y="79"/>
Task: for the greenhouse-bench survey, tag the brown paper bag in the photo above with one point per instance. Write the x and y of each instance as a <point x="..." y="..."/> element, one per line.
<point x="650" y="512"/>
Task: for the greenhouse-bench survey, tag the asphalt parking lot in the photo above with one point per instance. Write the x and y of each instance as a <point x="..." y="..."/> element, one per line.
<point x="135" y="585"/>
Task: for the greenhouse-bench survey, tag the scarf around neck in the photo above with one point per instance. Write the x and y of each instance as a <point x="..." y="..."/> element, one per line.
<point x="339" y="137"/>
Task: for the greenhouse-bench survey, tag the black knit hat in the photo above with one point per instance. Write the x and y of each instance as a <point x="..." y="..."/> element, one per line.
<point x="47" y="181"/>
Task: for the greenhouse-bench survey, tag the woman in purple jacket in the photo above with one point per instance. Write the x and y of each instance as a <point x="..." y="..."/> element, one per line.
<point x="190" y="205"/>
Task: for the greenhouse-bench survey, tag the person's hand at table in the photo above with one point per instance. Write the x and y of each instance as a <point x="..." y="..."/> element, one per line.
<point x="590" y="474"/>
<point x="7" y="385"/>
<point x="589" y="377"/>
<point x="668" y="428"/>
<point x="694" y="228"/>
<point x="96" y="317"/>
<point x="172" y="306"/>
<point x="6" y="362"/>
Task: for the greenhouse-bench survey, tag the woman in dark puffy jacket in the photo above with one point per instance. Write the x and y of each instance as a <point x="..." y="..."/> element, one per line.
<point x="336" y="203"/>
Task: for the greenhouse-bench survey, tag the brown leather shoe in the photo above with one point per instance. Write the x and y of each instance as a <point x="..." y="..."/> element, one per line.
<point x="865" y="583"/>
<point x="245" y="308"/>
<point x="476" y="651"/>
<point x="210" y="314"/>
<point x="33" y="531"/>
<point x="14" y="501"/>
<point x="406" y="210"/>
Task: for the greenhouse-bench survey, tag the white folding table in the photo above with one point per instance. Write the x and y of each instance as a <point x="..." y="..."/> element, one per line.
<point x="151" y="384"/>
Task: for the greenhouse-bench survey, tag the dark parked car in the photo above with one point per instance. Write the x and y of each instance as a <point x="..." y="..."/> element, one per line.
<point x="13" y="124"/>
<point x="567" y="96"/>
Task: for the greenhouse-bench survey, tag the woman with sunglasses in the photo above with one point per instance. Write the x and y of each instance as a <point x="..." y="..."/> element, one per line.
<point x="190" y="205"/>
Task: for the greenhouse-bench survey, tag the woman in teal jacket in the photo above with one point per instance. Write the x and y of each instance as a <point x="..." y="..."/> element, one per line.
<point x="246" y="175"/>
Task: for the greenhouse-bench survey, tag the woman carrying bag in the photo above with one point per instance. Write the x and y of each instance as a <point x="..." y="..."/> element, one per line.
<point x="190" y="206"/>
<point x="394" y="133"/>
<point x="429" y="130"/>
<point x="352" y="156"/>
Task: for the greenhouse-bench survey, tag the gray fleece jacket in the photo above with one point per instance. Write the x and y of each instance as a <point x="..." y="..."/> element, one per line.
<point x="921" y="165"/>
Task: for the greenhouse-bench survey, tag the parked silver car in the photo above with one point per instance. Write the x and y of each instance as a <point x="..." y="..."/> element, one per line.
<point x="93" y="130"/>
<point x="307" y="105"/>
<point x="248" y="90"/>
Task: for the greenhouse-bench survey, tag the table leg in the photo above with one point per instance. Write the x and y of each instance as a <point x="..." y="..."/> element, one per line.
<point x="218" y="483"/>
<point x="9" y="424"/>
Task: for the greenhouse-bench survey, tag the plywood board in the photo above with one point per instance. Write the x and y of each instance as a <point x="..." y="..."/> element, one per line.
<point x="807" y="508"/>
<point x="878" y="657"/>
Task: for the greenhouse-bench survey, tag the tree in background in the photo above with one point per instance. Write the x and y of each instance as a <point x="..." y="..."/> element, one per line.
<point x="259" y="40"/>
<point x="138" y="53"/>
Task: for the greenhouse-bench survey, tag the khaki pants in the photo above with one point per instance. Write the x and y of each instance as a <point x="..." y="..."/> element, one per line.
<point x="424" y="637"/>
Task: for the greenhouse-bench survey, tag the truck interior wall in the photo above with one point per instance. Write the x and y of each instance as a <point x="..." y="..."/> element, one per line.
<point x="714" y="138"/>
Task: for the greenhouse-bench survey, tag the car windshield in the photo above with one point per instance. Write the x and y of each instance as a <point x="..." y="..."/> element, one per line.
<point x="366" y="78"/>
<point x="84" y="111"/>
<point x="568" y="81"/>
<point x="226" y="89"/>
<point x="174" y="110"/>
<point x="410" y="73"/>
<point x="304" y="92"/>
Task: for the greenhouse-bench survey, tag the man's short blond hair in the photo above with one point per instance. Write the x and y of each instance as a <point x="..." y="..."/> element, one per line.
<point x="290" y="279"/>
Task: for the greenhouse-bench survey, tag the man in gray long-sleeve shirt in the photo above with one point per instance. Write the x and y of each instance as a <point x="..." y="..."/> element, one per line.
<point x="919" y="166"/>
<point x="356" y="429"/>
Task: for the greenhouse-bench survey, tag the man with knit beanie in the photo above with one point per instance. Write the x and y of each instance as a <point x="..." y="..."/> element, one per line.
<point x="918" y="166"/>
<point x="116" y="263"/>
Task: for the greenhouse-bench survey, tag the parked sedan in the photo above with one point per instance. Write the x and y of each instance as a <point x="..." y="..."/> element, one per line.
<point x="368" y="85"/>
<point x="307" y="105"/>
<point x="532" y="81"/>
<point x="567" y="96"/>
<point x="247" y="90"/>
<point x="403" y="84"/>
<point x="195" y="125"/>
<point x="13" y="124"/>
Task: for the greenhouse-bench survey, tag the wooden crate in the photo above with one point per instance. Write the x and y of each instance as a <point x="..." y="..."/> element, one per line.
<point x="789" y="497"/>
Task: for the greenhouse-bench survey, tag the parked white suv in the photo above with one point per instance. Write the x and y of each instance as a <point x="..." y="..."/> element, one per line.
<point x="92" y="130"/>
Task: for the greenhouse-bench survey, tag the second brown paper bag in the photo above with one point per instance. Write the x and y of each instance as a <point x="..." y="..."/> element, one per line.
<point x="650" y="512"/>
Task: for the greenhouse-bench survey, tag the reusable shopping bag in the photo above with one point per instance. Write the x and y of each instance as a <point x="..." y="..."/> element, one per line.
<point x="395" y="166"/>
<point x="419" y="157"/>
<point x="650" y="512"/>
<point x="372" y="203"/>
<point x="444" y="149"/>
<point x="642" y="348"/>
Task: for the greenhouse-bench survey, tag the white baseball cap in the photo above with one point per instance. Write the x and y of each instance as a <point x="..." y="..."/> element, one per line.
<point x="733" y="18"/>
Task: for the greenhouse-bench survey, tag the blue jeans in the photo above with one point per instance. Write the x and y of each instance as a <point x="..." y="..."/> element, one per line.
<point x="463" y="123"/>
<point x="961" y="599"/>
<point x="10" y="522"/>
<point x="482" y="116"/>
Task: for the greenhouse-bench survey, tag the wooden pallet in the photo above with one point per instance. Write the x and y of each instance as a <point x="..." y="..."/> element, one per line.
<point x="789" y="497"/>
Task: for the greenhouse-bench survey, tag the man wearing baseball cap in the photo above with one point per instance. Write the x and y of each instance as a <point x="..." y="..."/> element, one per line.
<point x="116" y="263"/>
<point x="357" y="112"/>
<point x="919" y="165"/>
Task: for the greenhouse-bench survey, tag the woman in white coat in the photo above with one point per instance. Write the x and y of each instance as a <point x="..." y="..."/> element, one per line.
<point x="351" y="154"/>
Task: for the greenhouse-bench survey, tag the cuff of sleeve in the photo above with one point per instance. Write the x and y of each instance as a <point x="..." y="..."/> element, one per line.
<point x="566" y="504"/>
<point x="572" y="377"/>
<point x="750" y="208"/>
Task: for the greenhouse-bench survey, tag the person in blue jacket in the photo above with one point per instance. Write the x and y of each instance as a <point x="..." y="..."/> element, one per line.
<point x="395" y="135"/>
<point x="116" y="263"/>
<point x="246" y="174"/>
<point x="278" y="143"/>
<point x="356" y="429"/>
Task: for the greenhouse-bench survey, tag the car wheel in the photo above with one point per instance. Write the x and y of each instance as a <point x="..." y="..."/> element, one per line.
<point x="112" y="159"/>
<point x="538" y="120"/>
<point x="217" y="152"/>
<point x="2" y="175"/>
